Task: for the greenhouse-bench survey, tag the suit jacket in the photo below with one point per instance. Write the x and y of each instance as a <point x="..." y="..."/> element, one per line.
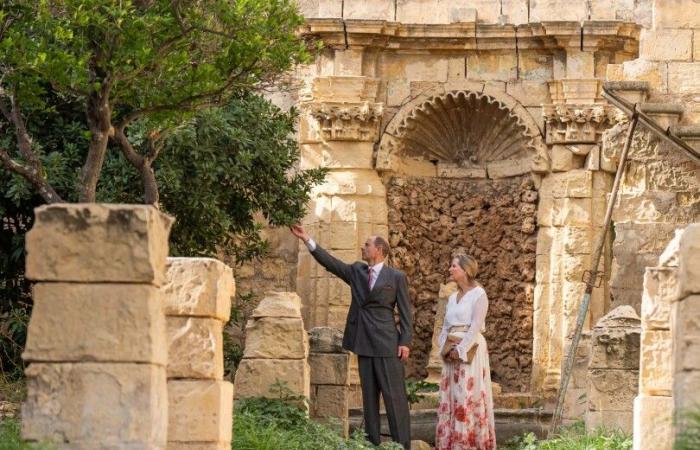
<point x="370" y="329"/>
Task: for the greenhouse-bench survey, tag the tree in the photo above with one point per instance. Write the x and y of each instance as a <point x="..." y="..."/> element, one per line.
<point x="142" y="64"/>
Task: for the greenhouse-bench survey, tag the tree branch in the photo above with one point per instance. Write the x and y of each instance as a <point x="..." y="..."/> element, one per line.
<point x="32" y="175"/>
<point x="143" y="165"/>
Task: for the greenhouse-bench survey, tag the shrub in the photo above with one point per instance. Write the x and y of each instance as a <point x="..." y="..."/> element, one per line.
<point x="689" y="426"/>
<point x="574" y="437"/>
<point x="10" y="437"/>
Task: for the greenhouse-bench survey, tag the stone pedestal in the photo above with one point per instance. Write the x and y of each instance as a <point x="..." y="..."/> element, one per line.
<point x="613" y="370"/>
<point x="330" y="378"/>
<point x="198" y="296"/>
<point x="96" y="343"/>
<point x="276" y="350"/>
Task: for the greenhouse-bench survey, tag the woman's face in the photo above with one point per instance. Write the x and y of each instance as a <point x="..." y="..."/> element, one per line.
<point x="456" y="272"/>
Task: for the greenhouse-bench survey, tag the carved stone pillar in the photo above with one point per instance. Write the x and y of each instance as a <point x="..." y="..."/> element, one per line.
<point x="339" y="125"/>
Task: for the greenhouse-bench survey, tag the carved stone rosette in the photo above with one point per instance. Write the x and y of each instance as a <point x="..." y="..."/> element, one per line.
<point x="347" y="121"/>
<point x="582" y="124"/>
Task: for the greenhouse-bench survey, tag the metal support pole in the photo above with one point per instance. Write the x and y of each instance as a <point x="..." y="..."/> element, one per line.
<point x="591" y="276"/>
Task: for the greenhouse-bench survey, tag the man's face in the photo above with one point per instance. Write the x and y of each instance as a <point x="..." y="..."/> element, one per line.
<point x="369" y="251"/>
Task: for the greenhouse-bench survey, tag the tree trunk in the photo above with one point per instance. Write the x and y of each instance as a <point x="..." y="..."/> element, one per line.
<point x="99" y="119"/>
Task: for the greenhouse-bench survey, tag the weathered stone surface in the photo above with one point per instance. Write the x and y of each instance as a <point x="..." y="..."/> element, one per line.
<point x="276" y="338"/>
<point x="653" y="423"/>
<point x="325" y="340"/>
<point x="279" y="304"/>
<point x="686" y="389"/>
<point x="615" y="348"/>
<point x="420" y="445"/>
<point x="200" y="411"/>
<point x="96" y="405"/>
<point x="329" y="368"/>
<point x="430" y="220"/>
<point x="573" y="184"/>
<point x="437" y="11"/>
<point x="612" y="420"/>
<point x="133" y="243"/>
<point x="677" y="14"/>
<point x="684" y="77"/>
<point x="556" y="10"/>
<point x="321" y="8"/>
<point x="514" y="11"/>
<point x="660" y="290"/>
<point x="73" y="322"/>
<point x="199" y="446"/>
<point x="666" y="45"/>
<point x="689" y="257"/>
<point x="254" y="377"/>
<point x="195" y="348"/>
<point x="330" y="401"/>
<point x="199" y="287"/>
<point x="369" y="9"/>
<point x="656" y="363"/>
<point x="612" y="390"/>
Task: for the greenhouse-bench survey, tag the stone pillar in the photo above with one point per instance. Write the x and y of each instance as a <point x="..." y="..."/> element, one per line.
<point x="571" y="212"/>
<point x="198" y="296"/>
<point x="338" y="129"/>
<point x="330" y="366"/>
<point x="685" y="325"/>
<point x="276" y="350"/>
<point x="435" y="361"/>
<point x="653" y="407"/>
<point x="96" y="342"/>
<point x="613" y="370"/>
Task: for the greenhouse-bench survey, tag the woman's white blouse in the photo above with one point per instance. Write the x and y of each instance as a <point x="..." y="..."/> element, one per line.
<point x="470" y="310"/>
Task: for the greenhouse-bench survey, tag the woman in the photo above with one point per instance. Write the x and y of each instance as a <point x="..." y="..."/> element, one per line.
<point x="465" y="414"/>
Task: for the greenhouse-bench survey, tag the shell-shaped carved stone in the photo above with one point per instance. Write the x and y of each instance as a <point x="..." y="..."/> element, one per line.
<point x="467" y="128"/>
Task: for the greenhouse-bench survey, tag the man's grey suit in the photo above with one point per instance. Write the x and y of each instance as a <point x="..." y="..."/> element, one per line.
<point x="371" y="333"/>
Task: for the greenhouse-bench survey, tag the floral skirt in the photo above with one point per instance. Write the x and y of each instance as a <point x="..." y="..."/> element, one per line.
<point x="465" y="413"/>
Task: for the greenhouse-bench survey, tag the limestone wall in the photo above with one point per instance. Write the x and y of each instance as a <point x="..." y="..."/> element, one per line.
<point x="660" y="189"/>
<point x="494" y="221"/>
<point x="96" y="343"/>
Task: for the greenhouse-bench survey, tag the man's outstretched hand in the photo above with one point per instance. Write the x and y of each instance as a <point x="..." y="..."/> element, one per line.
<point x="298" y="231"/>
<point x="403" y="352"/>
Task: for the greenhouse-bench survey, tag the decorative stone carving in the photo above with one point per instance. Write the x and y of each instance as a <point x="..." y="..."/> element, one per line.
<point x="347" y="121"/>
<point x="470" y="128"/>
<point x="581" y="124"/>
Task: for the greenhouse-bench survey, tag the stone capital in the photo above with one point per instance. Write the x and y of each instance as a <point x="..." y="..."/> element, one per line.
<point x="344" y="121"/>
<point x="581" y="124"/>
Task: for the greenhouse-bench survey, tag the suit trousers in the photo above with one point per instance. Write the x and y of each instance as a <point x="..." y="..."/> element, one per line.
<point x="385" y="375"/>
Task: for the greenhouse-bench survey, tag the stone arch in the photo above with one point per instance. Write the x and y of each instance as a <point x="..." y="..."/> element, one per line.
<point x="439" y="125"/>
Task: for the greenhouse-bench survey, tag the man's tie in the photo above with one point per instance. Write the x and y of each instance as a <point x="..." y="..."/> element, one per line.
<point x="369" y="278"/>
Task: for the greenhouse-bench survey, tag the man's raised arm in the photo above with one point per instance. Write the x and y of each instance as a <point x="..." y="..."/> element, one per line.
<point x="331" y="263"/>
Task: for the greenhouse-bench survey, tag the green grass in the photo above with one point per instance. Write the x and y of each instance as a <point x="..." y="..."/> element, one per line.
<point x="574" y="437"/>
<point x="10" y="437"/>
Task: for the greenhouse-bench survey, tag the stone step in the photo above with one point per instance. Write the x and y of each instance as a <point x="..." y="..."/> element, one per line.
<point x="509" y="423"/>
<point x="665" y="114"/>
<point x="632" y="91"/>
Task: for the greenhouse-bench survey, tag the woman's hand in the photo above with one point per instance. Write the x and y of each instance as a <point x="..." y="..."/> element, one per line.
<point x="453" y="355"/>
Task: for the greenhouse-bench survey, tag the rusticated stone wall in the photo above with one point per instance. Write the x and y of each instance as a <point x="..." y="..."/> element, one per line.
<point x="493" y="220"/>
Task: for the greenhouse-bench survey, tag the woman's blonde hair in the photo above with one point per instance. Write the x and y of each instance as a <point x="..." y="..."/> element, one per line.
<point x="468" y="264"/>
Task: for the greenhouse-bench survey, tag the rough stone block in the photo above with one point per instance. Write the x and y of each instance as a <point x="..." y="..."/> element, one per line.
<point x="133" y="243"/>
<point x="677" y="14"/>
<point x="612" y="390"/>
<point x="557" y="10"/>
<point x="615" y="348"/>
<point x="492" y="66"/>
<point x="656" y="363"/>
<point x="436" y="11"/>
<point x="666" y="45"/>
<point x="326" y="340"/>
<point x="278" y="304"/>
<point x="578" y="240"/>
<point x="580" y="64"/>
<point x="660" y="290"/>
<point x="686" y="390"/>
<point x="514" y="11"/>
<point x="507" y="168"/>
<point x="348" y="62"/>
<point x="612" y="10"/>
<point x="653" y="72"/>
<point x="575" y="212"/>
<point x="96" y="405"/>
<point x="199" y="287"/>
<point x="74" y="322"/>
<point x="330" y="401"/>
<point x="653" y="423"/>
<point x="195" y="348"/>
<point x="611" y="420"/>
<point x="689" y="261"/>
<point x="254" y="377"/>
<point x="329" y="368"/>
<point x="200" y="411"/>
<point x="684" y="77"/>
<point x="276" y="338"/>
<point x="529" y="92"/>
<point x="564" y="160"/>
<point x="369" y="9"/>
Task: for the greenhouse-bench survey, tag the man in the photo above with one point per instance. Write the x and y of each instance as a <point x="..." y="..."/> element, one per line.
<point x="370" y="331"/>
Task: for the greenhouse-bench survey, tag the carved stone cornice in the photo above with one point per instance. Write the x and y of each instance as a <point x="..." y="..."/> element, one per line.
<point x="582" y="124"/>
<point x="347" y="121"/>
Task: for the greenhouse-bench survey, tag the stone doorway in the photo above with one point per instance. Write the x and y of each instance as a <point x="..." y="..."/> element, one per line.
<point x="458" y="173"/>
